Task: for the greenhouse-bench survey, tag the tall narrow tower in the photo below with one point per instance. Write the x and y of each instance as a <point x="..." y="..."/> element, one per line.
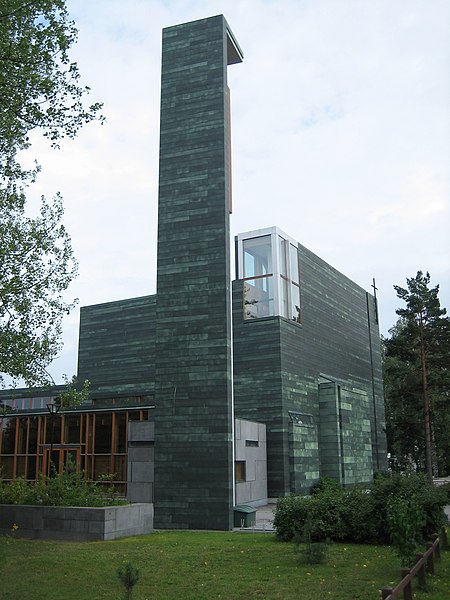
<point x="193" y="395"/>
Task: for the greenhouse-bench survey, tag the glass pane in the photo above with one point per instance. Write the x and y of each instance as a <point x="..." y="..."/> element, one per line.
<point x="102" y="466"/>
<point x="22" y="437"/>
<point x="240" y="470"/>
<point x="53" y="431"/>
<point x="103" y="433"/>
<point x="8" y="435"/>
<point x="71" y="461"/>
<point x="134" y="415"/>
<point x="32" y="436"/>
<point x="257" y="256"/>
<point x="121" y="432"/>
<point x="89" y="428"/>
<point x="295" y="294"/>
<point x="282" y="247"/>
<point x="293" y="258"/>
<point x="6" y="465"/>
<point x="20" y="466"/>
<point x="72" y="429"/>
<point x="258" y="298"/>
<point x="39" y="402"/>
<point x="31" y="468"/>
<point x="284" y="297"/>
<point x="120" y="467"/>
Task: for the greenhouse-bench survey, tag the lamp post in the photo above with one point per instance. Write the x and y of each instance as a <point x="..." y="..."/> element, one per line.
<point x="53" y="409"/>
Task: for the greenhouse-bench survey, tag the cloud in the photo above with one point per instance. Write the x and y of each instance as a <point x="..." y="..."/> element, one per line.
<point x="340" y="131"/>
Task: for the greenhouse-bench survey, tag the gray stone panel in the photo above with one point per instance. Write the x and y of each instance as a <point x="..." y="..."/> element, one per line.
<point x="77" y="524"/>
<point x="141" y="431"/>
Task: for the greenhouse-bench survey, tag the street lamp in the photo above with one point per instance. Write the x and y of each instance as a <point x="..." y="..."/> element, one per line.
<point x="53" y="408"/>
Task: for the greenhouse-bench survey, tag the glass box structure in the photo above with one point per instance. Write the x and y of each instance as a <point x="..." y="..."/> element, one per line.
<point x="268" y="265"/>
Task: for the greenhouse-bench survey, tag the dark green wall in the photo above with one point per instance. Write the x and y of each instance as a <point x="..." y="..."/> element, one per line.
<point x="193" y="442"/>
<point x="333" y="343"/>
<point x="117" y="346"/>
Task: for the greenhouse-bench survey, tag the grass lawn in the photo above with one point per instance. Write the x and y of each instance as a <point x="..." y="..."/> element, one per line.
<point x="200" y="565"/>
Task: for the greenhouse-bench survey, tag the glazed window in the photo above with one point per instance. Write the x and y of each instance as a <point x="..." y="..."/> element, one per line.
<point x="240" y="471"/>
<point x="269" y="265"/>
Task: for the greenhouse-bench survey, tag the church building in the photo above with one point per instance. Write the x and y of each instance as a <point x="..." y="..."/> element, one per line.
<point x="213" y="393"/>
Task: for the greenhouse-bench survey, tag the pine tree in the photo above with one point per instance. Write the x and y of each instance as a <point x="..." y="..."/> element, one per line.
<point x="417" y="380"/>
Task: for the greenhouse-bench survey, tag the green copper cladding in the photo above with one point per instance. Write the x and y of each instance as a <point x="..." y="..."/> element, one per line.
<point x="316" y="384"/>
<point x="193" y="385"/>
<point x="116" y="350"/>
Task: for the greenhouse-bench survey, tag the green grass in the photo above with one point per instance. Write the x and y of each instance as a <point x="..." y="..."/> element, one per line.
<point x="199" y="565"/>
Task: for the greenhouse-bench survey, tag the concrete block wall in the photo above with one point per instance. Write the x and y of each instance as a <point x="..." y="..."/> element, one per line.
<point x="77" y="524"/>
<point x="254" y="489"/>
<point x="141" y="461"/>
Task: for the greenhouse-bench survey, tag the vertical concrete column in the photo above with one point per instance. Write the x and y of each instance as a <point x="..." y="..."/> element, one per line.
<point x="193" y="392"/>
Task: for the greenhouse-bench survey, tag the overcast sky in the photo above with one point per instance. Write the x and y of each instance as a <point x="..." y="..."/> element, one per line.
<point x="340" y="134"/>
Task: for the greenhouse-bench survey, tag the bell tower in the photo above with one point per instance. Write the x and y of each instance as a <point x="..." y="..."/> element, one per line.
<point x="193" y="392"/>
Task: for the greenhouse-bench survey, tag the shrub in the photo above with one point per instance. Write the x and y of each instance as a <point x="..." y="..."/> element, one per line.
<point x="64" y="489"/>
<point x="446" y="488"/>
<point x="326" y="485"/>
<point x="290" y="516"/>
<point x="327" y="515"/>
<point x="359" y="514"/>
<point x="325" y="511"/>
<point x="406" y="520"/>
<point x="361" y="521"/>
<point x="431" y="498"/>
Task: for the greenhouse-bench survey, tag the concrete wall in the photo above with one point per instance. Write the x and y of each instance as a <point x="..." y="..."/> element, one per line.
<point x="76" y="524"/>
<point x="254" y="489"/>
<point x="141" y="461"/>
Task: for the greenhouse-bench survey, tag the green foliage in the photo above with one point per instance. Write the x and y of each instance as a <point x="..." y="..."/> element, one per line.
<point x="290" y="516"/>
<point x="128" y="576"/>
<point x="324" y="509"/>
<point x="327" y="516"/>
<point x="326" y="485"/>
<point x="422" y="325"/>
<point x="64" y="489"/>
<point x="36" y="267"/>
<point x="39" y="84"/>
<point x="360" y="514"/>
<point x="72" y="397"/>
<point x="360" y="518"/>
<point x="406" y="519"/>
<point x="446" y="489"/>
<point x="39" y="90"/>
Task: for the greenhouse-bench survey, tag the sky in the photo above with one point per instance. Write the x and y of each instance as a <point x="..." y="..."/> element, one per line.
<point x="340" y="137"/>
